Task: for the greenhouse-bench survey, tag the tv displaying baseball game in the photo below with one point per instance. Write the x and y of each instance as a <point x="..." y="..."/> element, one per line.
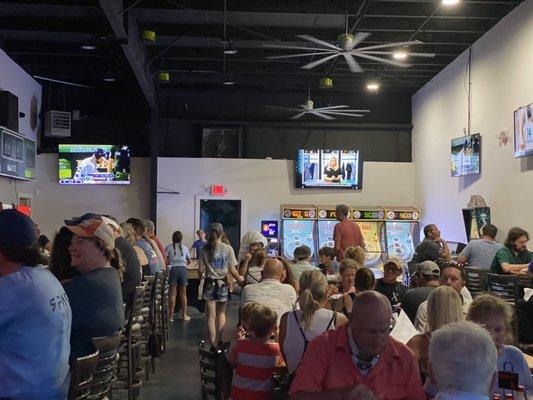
<point x="523" y="131"/>
<point x="329" y="169"/>
<point x="466" y="155"/>
<point x="93" y="164"/>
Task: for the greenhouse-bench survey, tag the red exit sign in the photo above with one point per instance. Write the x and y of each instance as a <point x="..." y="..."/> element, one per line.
<point x="218" y="190"/>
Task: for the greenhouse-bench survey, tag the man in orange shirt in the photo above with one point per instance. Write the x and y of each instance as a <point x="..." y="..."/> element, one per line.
<point x="346" y="233"/>
<point x="359" y="359"/>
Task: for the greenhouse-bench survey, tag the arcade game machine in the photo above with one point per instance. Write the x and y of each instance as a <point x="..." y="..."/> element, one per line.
<point x="326" y="222"/>
<point x="475" y="218"/>
<point x="298" y="227"/>
<point x="401" y="234"/>
<point x="370" y="220"/>
<point x="269" y="229"/>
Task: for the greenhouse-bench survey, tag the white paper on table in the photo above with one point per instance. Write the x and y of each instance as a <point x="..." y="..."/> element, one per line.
<point x="528" y="292"/>
<point x="404" y="329"/>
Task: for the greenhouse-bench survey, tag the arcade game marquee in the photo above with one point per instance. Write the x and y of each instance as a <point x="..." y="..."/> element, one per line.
<point x="298" y="227"/>
<point x="371" y="220"/>
<point x="401" y="233"/>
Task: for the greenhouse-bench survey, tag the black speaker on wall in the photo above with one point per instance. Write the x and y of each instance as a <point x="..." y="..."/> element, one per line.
<point x="9" y="110"/>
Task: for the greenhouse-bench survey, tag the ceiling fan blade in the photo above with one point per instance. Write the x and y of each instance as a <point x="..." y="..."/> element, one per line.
<point x="344" y="115"/>
<point x="350" y="111"/>
<point x="299" y="55"/>
<point x="319" y="114"/>
<point x="352" y="64"/>
<point x="283" y="47"/>
<point x="390" y="53"/>
<point x="280" y="108"/>
<point x="321" y="61"/>
<point x="318" y="41"/>
<point x="359" y="37"/>
<point x="383" y="60"/>
<point x="331" y="107"/>
<point x="300" y="115"/>
<point x="396" y="44"/>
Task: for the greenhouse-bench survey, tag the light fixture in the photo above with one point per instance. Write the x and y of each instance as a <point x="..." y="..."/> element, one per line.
<point x="163" y="77"/>
<point x="372" y="86"/>
<point x="399" y="55"/>
<point x="450" y="2"/>
<point x="88" y="46"/>
<point x="231" y="51"/>
<point x="326" y="83"/>
<point x="109" y="77"/>
<point x="228" y="82"/>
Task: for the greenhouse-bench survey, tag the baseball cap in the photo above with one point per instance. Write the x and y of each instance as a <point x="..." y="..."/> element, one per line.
<point x="16" y="229"/>
<point x="94" y="228"/>
<point x="84" y="217"/>
<point x="217" y="227"/>
<point x="396" y="261"/>
<point x="109" y="221"/>
<point x="429" y="268"/>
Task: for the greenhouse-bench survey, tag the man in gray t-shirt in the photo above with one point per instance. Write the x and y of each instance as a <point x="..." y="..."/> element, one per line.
<point x="480" y="253"/>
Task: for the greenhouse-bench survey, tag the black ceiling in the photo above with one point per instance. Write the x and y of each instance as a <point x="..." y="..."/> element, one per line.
<point x="45" y="37"/>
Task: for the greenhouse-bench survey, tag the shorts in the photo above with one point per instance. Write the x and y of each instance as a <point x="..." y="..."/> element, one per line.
<point x="178" y="276"/>
<point x="215" y="289"/>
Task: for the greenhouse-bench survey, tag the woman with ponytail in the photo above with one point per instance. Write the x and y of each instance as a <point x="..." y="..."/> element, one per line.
<point x="178" y="258"/>
<point x="298" y="328"/>
<point x="216" y="261"/>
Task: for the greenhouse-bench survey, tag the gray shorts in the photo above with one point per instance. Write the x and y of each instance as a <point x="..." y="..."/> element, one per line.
<point x="178" y="276"/>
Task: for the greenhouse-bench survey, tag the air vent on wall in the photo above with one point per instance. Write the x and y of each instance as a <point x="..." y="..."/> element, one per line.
<point x="57" y="124"/>
<point x="221" y="142"/>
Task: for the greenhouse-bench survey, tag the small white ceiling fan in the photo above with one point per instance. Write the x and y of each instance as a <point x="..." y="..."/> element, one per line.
<point x="329" y="112"/>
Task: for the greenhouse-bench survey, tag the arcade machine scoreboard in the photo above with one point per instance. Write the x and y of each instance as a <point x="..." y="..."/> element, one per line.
<point x="327" y="218"/>
<point x="371" y="220"/>
<point x="401" y="233"/>
<point x="298" y="227"/>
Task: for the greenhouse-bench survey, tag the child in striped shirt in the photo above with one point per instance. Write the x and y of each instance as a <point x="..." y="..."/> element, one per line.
<point x="254" y="358"/>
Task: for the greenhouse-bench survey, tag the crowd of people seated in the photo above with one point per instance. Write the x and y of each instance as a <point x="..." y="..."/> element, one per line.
<point x="331" y="327"/>
<point x="336" y="338"/>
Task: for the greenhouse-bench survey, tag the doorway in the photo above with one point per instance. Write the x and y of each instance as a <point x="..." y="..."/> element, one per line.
<point x="226" y="211"/>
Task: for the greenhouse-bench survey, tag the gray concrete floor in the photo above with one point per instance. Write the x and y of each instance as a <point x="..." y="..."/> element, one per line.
<point x="177" y="372"/>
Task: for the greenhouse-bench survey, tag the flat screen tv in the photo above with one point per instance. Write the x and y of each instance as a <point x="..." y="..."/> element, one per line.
<point x="523" y="131"/>
<point x="466" y="155"/>
<point x="93" y="164"/>
<point x="329" y="169"/>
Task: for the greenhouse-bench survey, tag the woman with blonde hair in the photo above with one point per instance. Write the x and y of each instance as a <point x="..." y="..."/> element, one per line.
<point x="127" y="231"/>
<point x="356" y="253"/>
<point x="444" y="307"/>
<point x="298" y="328"/>
<point x="496" y="316"/>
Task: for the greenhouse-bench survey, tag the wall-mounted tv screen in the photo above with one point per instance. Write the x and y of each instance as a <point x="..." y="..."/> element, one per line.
<point x="332" y="169"/>
<point x="90" y="164"/>
<point x="523" y="131"/>
<point x="466" y="155"/>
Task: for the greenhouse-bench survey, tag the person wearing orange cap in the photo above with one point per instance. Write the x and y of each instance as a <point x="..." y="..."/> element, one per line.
<point x="95" y="296"/>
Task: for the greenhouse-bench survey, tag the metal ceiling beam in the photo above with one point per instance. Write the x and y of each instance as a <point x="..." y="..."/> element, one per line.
<point x="133" y="49"/>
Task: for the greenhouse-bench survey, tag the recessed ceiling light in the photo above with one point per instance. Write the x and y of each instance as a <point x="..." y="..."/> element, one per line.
<point x="229" y="82"/>
<point x="231" y="51"/>
<point x="372" y="86"/>
<point x="88" y="47"/>
<point x="109" y="79"/>
<point x="450" y="2"/>
<point x="399" y="55"/>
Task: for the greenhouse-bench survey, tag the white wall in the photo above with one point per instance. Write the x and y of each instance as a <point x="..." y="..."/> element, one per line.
<point x="502" y="81"/>
<point x="264" y="185"/>
<point x="15" y="80"/>
<point x="54" y="202"/>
